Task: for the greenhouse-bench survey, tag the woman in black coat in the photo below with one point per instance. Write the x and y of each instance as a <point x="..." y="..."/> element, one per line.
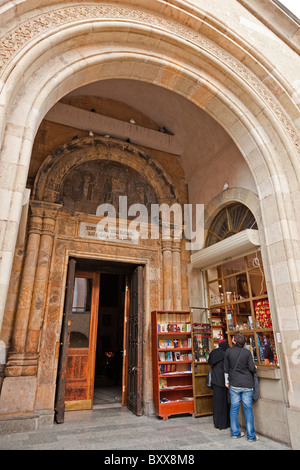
<point x="220" y="402"/>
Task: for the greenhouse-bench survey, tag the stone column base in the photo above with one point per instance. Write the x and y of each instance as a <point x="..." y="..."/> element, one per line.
<point x="18" y="395"/>
<point x="25" y="422"/>
<point x="293" y="416"/>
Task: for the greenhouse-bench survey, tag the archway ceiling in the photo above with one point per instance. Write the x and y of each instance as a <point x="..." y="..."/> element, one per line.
<point x="196" y="136"/>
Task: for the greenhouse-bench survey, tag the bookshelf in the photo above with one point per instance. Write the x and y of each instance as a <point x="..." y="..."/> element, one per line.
<point x="201" y="345"/>
<point x="172" y="363"/>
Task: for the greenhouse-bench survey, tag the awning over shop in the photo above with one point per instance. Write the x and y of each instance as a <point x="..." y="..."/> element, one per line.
<point x="233" y="247"/>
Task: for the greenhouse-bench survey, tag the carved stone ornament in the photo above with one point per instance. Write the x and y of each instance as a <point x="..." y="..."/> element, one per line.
<point x="85" y="173"/>
<point x="30" y="30"/>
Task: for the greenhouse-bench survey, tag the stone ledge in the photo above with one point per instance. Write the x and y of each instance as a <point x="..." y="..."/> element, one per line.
<point x="269" y="373"/>
<point x="13" y="423"/>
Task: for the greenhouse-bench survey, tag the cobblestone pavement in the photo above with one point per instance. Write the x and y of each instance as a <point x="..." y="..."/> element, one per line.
<point x="119" y="429"/>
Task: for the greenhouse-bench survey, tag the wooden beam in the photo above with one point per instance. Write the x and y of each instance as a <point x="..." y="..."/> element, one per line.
<point x="102" y="125"/>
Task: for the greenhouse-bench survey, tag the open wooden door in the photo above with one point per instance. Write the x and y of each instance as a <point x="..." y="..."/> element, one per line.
<point x="135" y="342"/>
<point x="80" y="373"/>
<point x="65" y="338"/>
<point x="125" y="343"/>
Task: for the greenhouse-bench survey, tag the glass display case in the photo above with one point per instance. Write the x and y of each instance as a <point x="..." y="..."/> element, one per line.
<point x="238" y="301"/>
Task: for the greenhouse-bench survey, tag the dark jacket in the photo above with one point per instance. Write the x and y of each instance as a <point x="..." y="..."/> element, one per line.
<point x="216" y="361"/>
<point x="243" y="375"/>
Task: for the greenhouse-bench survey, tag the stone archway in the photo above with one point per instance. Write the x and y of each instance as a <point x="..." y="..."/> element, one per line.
<point x="254" y="139"/>
<point x="188" y="52"/>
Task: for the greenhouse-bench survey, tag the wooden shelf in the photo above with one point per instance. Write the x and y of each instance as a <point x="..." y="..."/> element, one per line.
<point x="170" y="374"/>
<point x="166" y="389"/>
<point x="203" y="400"/>
<point x="174" y="362"/>
<point x="177" y="333"/>
<point x="178" y="383"/>
<point x="174" y="349"/>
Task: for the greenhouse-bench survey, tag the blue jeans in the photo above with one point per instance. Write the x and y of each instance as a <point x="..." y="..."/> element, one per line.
<point x="245" y="395"/>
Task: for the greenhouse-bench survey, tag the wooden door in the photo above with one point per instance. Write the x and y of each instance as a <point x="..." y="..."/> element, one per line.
<point x="135" y="351"/>
<point x="80" y="370"/>
<point x="65" y="338"/>
<point x="125" y="342"/>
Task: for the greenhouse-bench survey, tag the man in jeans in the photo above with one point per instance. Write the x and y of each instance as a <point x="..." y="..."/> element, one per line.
<point x="240" y="384"/>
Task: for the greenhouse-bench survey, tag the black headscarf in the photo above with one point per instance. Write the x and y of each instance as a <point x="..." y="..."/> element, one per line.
<point x="223" y="345"/>
<point x="218" y="354"/>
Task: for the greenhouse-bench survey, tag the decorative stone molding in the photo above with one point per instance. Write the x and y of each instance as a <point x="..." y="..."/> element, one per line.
<point x="49" y="22"/>
<point x="57" y="166"/>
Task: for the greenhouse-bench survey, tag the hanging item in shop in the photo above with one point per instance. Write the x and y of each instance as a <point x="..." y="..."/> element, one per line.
<point x="263" y="314"/>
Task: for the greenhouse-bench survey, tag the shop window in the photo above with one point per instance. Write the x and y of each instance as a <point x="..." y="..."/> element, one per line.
<point x="237" y="293"/>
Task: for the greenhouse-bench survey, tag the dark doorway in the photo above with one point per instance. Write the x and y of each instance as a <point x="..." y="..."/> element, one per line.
<point x="110" y="364"/>
<point x="109" y="350"/>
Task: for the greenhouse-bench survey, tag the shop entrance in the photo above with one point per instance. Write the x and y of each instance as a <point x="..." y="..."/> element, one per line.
<point x="110" y="341"/>
<point x="101" y="347"/>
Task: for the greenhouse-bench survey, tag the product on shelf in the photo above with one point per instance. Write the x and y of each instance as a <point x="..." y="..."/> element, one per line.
<point x="172" y="360"/>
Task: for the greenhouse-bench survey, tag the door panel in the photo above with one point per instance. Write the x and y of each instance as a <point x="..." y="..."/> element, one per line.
<point x="125" y="343"/>
<point x="80" y="371"/>
<point x="135" y="360"/>
<point x="65" y="338"/>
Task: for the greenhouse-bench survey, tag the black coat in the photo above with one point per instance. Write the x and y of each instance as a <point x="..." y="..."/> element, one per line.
<point x="243" y="376"/>
<point x="216" y="361"/>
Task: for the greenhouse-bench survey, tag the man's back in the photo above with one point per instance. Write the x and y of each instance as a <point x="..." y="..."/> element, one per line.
<point x="243" y="375"/>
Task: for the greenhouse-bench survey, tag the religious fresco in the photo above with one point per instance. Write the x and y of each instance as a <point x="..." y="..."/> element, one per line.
<point x="97" y="182"/>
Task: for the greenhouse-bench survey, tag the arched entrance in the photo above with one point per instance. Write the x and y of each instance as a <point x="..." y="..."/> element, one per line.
<point x="183" y="50"/>
<point x="63" y="228"/>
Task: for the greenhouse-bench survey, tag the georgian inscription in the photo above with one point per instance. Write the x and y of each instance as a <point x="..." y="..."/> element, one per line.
<point x="109" y="233"/>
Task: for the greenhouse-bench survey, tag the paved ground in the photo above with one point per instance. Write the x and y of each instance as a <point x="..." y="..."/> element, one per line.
<point x="118" y="429"/>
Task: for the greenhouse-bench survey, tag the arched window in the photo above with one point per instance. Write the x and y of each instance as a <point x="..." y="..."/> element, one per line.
<point x="231" y="220"/>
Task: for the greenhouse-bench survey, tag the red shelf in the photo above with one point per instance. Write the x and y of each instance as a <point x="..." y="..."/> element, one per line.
<point x="177" y="333"/>
<point x="177" y="384"/>
<point x="175" y="349"/>
<point x="174" y="362"/>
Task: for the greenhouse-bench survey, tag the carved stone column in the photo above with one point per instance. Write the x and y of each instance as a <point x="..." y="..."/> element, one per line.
<point x="39" y="290"/>
<point x="23" y="357"/>
<point x="167" y="274"/>
<point x="16" y="355"/>
<point x="176" y="255"/>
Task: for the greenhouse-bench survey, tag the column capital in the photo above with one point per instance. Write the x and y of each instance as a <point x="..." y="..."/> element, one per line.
<point x="166" y="245"/>
<point x="177" y="245"/>
<point x="44" y="209"/>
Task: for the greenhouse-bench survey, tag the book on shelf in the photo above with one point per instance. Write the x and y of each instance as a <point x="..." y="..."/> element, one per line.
<point x="174" y="343"/>
<point x="164" y="327"/>
<point x="173" y="356"/>
<point x="171" y="369"/>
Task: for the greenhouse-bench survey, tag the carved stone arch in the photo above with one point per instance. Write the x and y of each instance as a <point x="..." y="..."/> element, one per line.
<point x="57" y="166"/>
